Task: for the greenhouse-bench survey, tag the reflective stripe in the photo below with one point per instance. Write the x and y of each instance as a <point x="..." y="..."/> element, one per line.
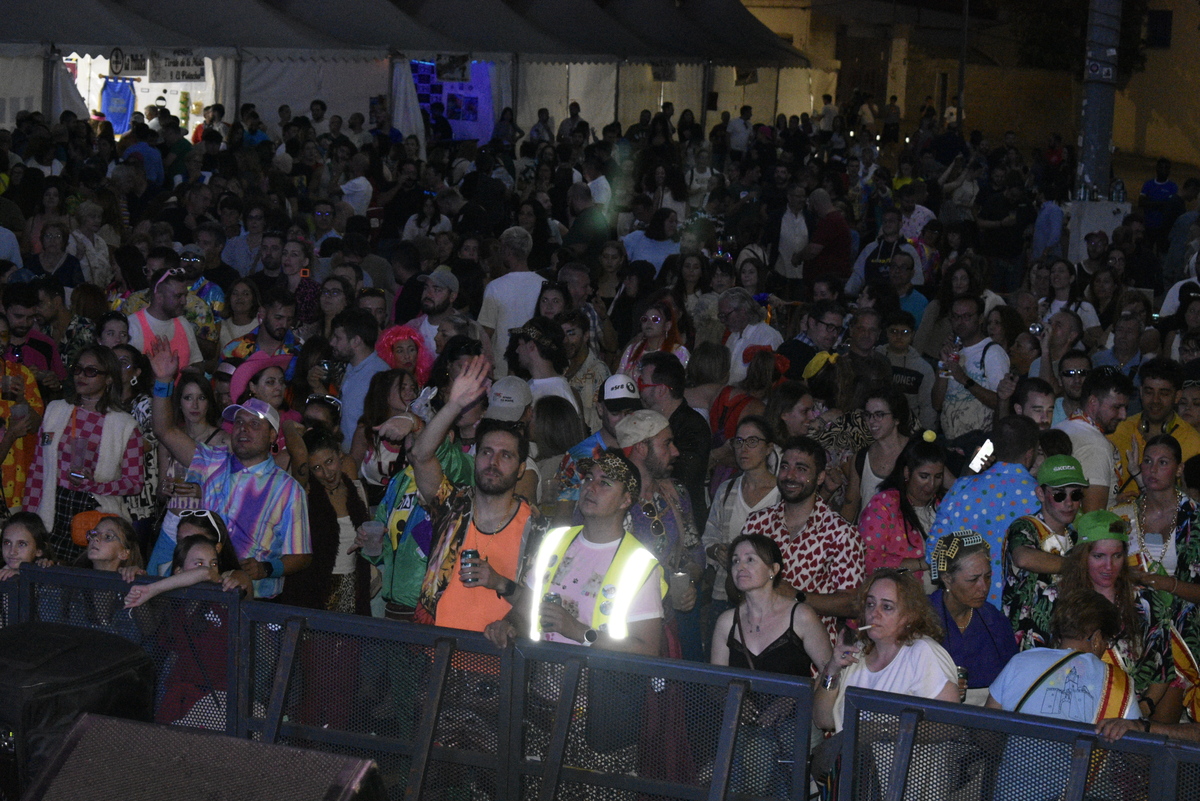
<point x="633" y="575"/>
<point x="549" y="545"/>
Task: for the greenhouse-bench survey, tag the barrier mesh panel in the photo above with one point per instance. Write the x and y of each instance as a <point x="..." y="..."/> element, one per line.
<point x="1188" y="781"/>
<point x="626" y="724"/>
<point x="189" y="641"/>
<point x="8" y="602"/>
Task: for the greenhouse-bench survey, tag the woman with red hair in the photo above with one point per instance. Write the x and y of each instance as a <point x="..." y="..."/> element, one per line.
<point x="403" y="347"/>
<point x="659" y="331"/>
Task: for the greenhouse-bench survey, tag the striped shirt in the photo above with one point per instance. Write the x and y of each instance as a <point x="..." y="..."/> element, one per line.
<point x="265" y="509"/>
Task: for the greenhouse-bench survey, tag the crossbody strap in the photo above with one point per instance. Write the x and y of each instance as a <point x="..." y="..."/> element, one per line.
<point x="1042" y="678"/>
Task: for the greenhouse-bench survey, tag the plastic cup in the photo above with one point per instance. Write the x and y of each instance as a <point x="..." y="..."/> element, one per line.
<point x="12" y="388"/>
<point x="373" y="530"/>
<point x="679" y="582"/>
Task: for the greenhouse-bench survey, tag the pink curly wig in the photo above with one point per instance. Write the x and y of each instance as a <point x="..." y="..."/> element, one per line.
<point x="387" y="341"/>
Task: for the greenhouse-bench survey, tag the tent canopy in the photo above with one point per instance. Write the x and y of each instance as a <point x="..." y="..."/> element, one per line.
<point x="375" y="23"/>
<point x="583" y="24"/>
<point x="91" y="27"/>
<point x="233" y="23"/>
<point x="731" y="24"/>
<point x="484" y="25"/>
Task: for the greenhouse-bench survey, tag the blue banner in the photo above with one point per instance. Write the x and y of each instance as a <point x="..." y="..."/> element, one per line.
<point x="118" y="101"/>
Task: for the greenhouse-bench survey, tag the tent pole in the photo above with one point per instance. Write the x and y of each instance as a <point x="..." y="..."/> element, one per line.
<point x="391" y="94"/>
<point x="778" y="74"/>
<point x="48" y="81"/>
<point x="237" y="79"/>
<point x="706" y="89"/>
<point x="617" y="96"/>
<point x="516" y="101"/>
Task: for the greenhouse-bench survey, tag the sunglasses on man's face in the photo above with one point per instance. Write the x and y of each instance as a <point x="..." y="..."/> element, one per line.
<point x="1061" y="495"/>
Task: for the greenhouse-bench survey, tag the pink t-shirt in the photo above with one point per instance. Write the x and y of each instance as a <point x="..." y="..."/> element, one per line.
<point x="581" y="576"/>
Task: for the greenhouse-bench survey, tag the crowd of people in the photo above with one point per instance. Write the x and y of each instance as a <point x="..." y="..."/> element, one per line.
<point x="796" y="397"/>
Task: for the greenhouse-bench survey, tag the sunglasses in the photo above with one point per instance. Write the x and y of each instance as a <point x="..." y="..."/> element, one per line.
<point x="89" y="371"/>
<point x="653" y="319"/>
<point x="1077" y="373"/>
<point x="645" y="385"/>
<point x="650" y="510"/>
<point x="330" y="399"/>
<point x="1061" y="495"/>
<point x="174" y="272"/>
<point x="204" y="514"/>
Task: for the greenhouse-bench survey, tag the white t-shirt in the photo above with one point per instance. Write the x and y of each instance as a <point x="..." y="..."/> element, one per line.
<point x="555" y="385"/>
<point x="962" y="412"/>
<point x="164" y="328"/>
<point x="357" y="192"/>
<point x="754" y="334"/>
<point x="921" y="669"/>
<point x="1085" y="310"/>
<point x="1095" y="453"/>
<point x="508" y="302"/>
<point x="581" y="577"/>
<point x="601" y="191"/>
<point x="726" y="519"/>
<point x="1071" y="693"/>
<point x="427" y="330"/>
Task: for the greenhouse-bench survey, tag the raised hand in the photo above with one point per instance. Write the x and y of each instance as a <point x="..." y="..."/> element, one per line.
<point x="163" y="361"/>
<point x="471" y="384"/>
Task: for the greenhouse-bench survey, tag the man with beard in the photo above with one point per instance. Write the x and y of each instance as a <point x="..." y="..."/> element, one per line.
<point x="662" y="520"/>
<point x="274" y="334"/>
<point x="823" y="555"/>
<point x="26" y="345"/>
<point x="270" y="262"/>
<point x="661" y="382"/>
<point x="164" y="317"/>
<point x="1162" y="385"/>
<point x="352" y="340"/>
<point x="488" y="519"/>
<point x="437" y="300"/>
<point x="1106" y="395"/>
<point x="263" y="506"/>
<point x="585" y="373"/>
<point x="965" y="390"/>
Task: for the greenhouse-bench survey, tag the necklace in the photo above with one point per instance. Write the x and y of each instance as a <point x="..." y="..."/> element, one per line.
<point x="1142" y="503"/>
<point x="970" y="616"/>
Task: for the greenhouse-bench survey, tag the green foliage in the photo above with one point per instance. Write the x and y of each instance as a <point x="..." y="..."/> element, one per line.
<point x="1051" y="34"/>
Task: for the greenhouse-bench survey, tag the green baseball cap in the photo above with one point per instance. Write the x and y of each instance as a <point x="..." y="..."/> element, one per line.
<point x="1101" y="525"/>
<point x="1061" y="471"/>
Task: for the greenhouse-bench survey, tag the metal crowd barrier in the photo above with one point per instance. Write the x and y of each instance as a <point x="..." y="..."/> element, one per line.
<point x="446" y="715"/>
<point x="895" y="748"/>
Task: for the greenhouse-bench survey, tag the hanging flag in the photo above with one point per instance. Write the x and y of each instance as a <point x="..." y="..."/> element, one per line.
<point x="118" y="101"/>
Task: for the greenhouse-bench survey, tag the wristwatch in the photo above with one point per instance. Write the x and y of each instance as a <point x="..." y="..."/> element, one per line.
<point x="970" y="383"/>
<point x="590" y="636"/>
<point x="268" y="568"/>
<point x="507" y="590"/>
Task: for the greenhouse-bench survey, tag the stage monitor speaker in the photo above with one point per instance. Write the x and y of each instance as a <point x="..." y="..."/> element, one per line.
<point x="107" y="759"/>
<point x="50" y="674"/>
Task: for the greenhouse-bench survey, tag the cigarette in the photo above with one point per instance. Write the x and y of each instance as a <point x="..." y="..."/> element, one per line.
<point x="864" y="628"/>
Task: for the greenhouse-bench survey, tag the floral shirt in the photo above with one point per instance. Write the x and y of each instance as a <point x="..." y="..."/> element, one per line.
<point x="825" y="557"/>
<point x="1028" y="598"/>
<point x="587" y="381"/>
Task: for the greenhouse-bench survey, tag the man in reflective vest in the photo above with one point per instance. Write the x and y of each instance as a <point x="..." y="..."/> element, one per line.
<point x="609" y="588"/>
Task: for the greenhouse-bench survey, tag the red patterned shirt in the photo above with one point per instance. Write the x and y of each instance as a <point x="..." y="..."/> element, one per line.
<point x="88" y="424"/>
<point x="826" y="556"/>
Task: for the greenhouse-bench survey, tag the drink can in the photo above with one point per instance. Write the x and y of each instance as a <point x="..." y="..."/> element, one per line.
<point x="469" y="556"/>
<point x="552" y="598"/>
<point x="962" y="680"/>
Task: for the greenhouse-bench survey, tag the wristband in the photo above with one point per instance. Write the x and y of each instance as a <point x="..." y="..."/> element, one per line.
<point x="1146" y="723"/>
<point x="276" y="563"/>
<point x="163" y="389"/>
<point x="970" y="383"/>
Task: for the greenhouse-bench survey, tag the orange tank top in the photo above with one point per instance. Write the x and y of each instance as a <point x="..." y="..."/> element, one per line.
<point x="473" y="608"/>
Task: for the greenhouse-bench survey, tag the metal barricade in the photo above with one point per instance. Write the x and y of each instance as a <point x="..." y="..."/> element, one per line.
<point x="603" y="725"/>
<point x="10" y="594"/>
<point x="896" y="747"/>
<point x="191" y="634"/>
<point x="430" y="705"/>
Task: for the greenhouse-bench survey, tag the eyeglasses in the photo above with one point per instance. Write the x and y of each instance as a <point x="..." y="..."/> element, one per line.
<point x="332" y="293"/>
<point x="102" y="536"/>
<point x="322" y="213"/>
<point x="1076" y="373"/>
<point x="645" y="385"/>
<point x="876" y="416"/>
<point x="831" y="327"/>
<point x="89" y="371"/>
<point x="204" y="514"/>
<point x="192" y="259"/>
<point x="653" y="319"/>
<point x="330" y="399"/>
<point x="747" y="442"/>
<point x="1061" y="495"/>
<point x="899" y="332"/>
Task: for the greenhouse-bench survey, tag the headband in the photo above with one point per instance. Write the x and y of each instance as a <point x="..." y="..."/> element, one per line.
<point x="948" y="547"/>
<point x="782" y="363"/>
<point x="529" y="332"/>
<point x="615" y="468"/>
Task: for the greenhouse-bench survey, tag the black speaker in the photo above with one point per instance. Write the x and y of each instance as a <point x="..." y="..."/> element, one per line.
<point x="50" y="674"/>
<point x="107" y="759"/>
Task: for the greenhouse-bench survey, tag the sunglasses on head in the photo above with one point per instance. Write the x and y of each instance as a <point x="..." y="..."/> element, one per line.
<point x="1061" y="495"/>
<point x="204" y="514"/>
<point x="174" y="272"/>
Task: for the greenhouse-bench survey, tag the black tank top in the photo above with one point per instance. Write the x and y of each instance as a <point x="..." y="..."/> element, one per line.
<point x="785" y="655"/>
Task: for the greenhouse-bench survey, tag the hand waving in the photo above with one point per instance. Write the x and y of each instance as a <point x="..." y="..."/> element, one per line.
<point x="471" y="384"/>
<point x="162" y="360"/>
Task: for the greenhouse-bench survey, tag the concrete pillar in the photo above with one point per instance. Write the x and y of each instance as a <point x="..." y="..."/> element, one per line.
<point x="897" y="76"/>
<point x="1099" y="90"/>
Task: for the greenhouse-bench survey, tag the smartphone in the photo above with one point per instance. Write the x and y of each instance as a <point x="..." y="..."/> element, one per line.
<point x="981" y="458"/>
